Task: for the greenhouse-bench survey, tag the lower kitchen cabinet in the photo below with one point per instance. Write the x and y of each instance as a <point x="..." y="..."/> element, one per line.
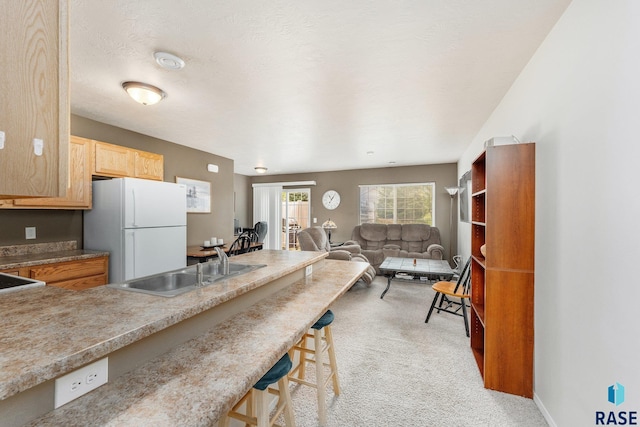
<point x="75" y="275"/>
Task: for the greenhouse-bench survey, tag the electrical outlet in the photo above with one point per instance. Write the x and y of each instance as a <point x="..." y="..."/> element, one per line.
<point x="81" y="381"/>
<point x="308" y="270"/>
<point x="29" y="232"/>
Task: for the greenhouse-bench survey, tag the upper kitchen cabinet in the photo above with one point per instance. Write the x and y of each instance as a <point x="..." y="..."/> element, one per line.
<point x="78" y="195"/>
<point x="115" y="161"/>
<point x="34" y="106"/>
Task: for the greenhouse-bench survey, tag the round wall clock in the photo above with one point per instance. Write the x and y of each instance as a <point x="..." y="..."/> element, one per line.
<point x="331" y="199"/>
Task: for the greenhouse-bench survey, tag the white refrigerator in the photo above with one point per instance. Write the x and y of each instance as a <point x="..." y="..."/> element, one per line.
<point x="142" y="223"/>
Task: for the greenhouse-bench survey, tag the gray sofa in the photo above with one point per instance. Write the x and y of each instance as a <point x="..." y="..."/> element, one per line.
<point x="379" y="241"/>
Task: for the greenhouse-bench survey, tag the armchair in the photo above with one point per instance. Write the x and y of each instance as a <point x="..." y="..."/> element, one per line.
<point x="315" y="239"/>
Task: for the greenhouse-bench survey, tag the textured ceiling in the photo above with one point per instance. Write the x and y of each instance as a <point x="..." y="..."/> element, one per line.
<point x="300" y="85"/>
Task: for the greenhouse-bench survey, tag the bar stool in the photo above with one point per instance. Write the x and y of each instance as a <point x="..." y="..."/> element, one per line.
<point x="257" y="399"/>
<point x="322" y="343"/>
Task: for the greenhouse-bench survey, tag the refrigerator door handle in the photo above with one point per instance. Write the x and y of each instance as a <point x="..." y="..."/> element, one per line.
<point x="134" y="252"/>
<point x="133" y="206"/>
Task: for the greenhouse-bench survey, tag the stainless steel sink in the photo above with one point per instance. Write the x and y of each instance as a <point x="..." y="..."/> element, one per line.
<point x="213" y="269"/>
<point x="164" y="283"/>
<point x="177" y="282"/>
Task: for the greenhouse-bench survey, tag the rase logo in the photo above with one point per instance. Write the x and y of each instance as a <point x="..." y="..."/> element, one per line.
<point x="615" y="396"/>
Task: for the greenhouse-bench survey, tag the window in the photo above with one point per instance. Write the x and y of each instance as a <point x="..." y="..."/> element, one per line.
<point x="397" y="203"/>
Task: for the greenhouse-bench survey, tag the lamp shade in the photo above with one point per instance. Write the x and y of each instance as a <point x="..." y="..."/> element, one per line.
<point x="328" y="224"/>
<point x="451" y="190"/>
<point x="144" y="93"/>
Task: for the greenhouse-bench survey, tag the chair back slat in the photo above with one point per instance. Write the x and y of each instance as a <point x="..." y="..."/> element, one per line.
<point x="465" y="277"/>
<point x="241" y="245"/>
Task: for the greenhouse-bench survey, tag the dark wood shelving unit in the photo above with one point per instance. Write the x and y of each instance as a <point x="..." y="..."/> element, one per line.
<point x="503" y="219"/>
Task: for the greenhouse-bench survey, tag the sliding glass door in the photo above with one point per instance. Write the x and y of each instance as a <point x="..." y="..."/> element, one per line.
<point x="296" y="215"/>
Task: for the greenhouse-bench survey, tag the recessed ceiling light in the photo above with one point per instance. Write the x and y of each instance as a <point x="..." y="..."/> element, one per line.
<point x="392" y="162"/>
<point x="168" y="61"/>
<point x="369" y="153"/>
<point x="144" y="93"/>
<point x="260" y="169"/>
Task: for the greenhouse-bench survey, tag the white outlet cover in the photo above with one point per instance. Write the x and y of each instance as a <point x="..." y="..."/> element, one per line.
<point x="308" y="270"/>
<point x="29" y="232"/>
<point x="81" y="381"/>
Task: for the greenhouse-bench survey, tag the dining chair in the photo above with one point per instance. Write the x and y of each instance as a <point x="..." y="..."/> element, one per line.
<point x="241" y="245"/>
<point x="448" y="292"/>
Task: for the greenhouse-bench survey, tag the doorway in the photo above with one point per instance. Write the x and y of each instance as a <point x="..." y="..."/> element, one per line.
<point x="296" y="215"/>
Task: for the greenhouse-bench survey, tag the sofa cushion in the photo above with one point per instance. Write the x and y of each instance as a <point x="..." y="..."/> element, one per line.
<point x="415" y="232"/>
<point x="375" y="235"/>
<point x="394" y="232"/>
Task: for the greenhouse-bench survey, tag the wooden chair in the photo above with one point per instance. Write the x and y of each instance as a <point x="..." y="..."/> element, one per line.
<point x="447" y="291"/>
<point x="240" y="246"/>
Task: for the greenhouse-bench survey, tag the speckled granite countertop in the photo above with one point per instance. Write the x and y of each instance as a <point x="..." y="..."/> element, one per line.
<point x="18" y="256"/>
<point x="50" y="331"/>
<point x="197" y="382"/>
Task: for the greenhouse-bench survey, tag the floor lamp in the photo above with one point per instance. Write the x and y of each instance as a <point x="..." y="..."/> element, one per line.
<point x="452" y="193"/>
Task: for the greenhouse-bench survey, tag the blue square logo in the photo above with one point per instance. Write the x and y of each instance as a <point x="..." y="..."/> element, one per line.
<point x="616" y="394"/>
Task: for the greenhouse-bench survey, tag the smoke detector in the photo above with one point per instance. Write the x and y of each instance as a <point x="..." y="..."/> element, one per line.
<point x="168" y="61"/>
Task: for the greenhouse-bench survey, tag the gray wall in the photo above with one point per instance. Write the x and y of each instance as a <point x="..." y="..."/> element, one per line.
<point x="178" y="161"/>
<point x="57" y="225"/>
<point x="243" y="200"/>
<point x="232" y="194"/>
<point x="346" y="216"/>
<point x="51" y="226"/>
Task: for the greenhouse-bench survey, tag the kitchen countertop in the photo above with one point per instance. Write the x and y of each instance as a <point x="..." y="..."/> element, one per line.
<point x="19" y="256"/>
<point x="196" y="383"/>
<point x="50" y="331"/>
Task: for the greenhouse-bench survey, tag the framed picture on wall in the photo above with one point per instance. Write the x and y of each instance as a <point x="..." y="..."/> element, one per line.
<point x="464" y="197"/>
<point x="198" y="195"/>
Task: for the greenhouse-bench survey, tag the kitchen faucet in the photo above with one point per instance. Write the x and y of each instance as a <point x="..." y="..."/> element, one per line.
<point x="224" y="260"/>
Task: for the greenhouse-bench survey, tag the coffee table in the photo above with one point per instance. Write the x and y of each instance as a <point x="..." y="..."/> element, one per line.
<point x="431" y="268"/>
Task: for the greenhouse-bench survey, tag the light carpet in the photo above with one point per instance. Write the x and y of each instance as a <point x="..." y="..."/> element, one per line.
<point x="395" y="370"/>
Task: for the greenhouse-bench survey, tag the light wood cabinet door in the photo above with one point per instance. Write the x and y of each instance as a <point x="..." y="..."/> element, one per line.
<point x="113" y="160"/>
<point x="74" y="275"/>
<point x="16" y="272"/>
<point x="35" y="97"/>
<point x="149" y="165"/>
<point x="79" y="188"/>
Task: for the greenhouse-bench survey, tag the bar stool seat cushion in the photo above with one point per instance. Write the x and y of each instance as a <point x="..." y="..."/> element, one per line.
<point x="325" y="320"/>
<point x="277" y="371"/>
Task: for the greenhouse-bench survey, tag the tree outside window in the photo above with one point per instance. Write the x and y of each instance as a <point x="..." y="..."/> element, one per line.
<point x="397" y="203"/>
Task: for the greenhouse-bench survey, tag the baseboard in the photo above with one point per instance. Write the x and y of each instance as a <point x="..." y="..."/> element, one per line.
<point x="543" y="410"/>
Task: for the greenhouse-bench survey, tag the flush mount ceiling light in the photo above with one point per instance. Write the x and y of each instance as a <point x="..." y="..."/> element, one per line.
<point x="144" y="93"/>
<point x="260" y="169"/>
<point x="168" y="61"/>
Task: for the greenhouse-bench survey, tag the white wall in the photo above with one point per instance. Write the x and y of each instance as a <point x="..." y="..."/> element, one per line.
<point x="579" y="100"/>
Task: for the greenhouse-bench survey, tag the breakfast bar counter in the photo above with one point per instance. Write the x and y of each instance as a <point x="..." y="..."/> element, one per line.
<point x="205" y="348"/>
